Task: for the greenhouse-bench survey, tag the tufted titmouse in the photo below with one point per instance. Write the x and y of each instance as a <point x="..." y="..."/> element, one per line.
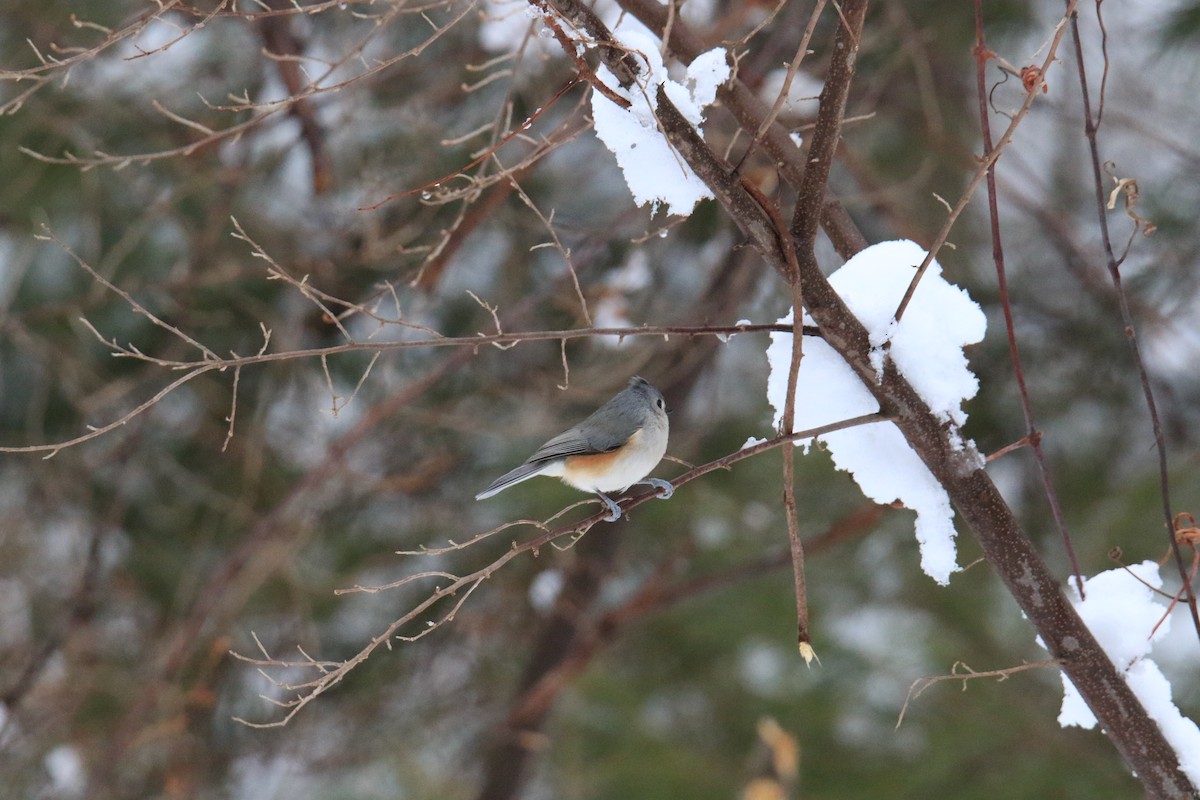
<point x="609" y="451"/>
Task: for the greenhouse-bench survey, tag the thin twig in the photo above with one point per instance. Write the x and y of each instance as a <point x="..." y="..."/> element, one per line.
<point x="198" y="368"/>
<point x="800" y="245"/>
<point x="487" y="154"/>
<point x="237" y="376"/>
<point x="49" y="235"/>
<point x="1032" y="436"/>
<point x="1033" y="90"/>
<point x="796" y="547"/>
<point x="1127" y="321"/>
<point x="563" y="250"/>
<point x="465" y="585"/>
<point x="919" y="686"/>
<point x="786" y="88"/>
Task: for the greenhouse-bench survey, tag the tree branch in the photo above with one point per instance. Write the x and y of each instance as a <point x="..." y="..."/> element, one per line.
<point x="959" y="470"/>
<point x="752" y="115"/>
<point x="1032" y="435"/>
<point x="1114" y="271"/>
<point x="460" y="587"/>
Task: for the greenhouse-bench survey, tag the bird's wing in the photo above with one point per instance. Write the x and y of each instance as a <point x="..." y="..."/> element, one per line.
<point x="574" y="443"/>
<point x="567" y="443"/>
<point x="510" y="478"/>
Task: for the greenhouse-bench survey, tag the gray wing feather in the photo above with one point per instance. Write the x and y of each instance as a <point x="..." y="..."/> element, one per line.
<point x="568" y="443"/>
<point x="521" y="473"/>
<point x="574" y="443"/>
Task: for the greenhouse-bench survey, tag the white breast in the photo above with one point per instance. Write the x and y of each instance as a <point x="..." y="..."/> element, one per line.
<point x="618" y="471"/>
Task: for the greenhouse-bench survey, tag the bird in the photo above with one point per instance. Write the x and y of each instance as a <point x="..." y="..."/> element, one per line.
<point x="613" y="449"/>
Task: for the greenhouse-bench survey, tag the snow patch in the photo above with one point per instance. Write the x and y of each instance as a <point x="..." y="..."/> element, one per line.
<point x="1122" y="610"/>
<point x="927" y="349"/>
<point x="654" y="172"/>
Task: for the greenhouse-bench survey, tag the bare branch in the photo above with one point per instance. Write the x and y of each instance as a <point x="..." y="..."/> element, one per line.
<point x="1032" y="435"/>
<point x="785" y="89"/>
<point x="919" y="686"/>
<point x="462" y="586"/>
<point x="1128" y="324"/>
<point x="208" y="355"/>
<point x="960" y="471"/>
<point x="988" y="160"/>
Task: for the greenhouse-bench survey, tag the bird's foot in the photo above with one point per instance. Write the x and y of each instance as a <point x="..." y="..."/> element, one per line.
<point x="614" y="510"/>
<point x="665" y="488"/>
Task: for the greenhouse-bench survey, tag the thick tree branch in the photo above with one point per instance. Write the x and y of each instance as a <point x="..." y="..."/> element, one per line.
<point x="751" y="114"/>
<point x="828" y="131"/>
<point x="959" y="470"/>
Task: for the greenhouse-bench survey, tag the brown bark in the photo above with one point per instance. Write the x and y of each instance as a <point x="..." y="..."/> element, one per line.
<point x="959" y="470"/>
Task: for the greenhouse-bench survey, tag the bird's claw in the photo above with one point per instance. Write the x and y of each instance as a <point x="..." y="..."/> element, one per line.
<point x="665" y="488"/>
<point x="614" y="510"/>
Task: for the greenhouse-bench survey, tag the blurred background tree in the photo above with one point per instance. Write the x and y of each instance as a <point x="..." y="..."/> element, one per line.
<point x="207" y="167"/>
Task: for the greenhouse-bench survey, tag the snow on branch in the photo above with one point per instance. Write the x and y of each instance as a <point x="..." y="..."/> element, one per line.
<point x="654" y="172"/>
<point x="1124" y="614"/>
<point x="926" y="347"/>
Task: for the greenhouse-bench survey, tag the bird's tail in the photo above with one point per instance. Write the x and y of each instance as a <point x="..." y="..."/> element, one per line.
<point x="511" y="478"/>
